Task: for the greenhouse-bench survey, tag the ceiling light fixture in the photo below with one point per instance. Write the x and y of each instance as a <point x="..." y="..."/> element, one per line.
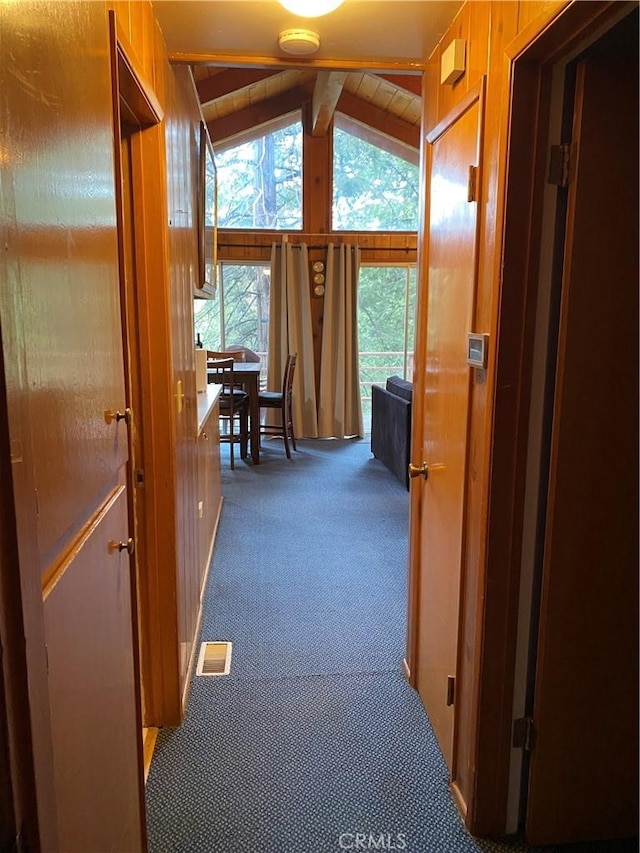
<point x="311" y="8"/>
<point x="298" y="41"/>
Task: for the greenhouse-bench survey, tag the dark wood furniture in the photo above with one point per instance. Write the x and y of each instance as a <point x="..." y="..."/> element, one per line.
<point x="281" y="400"/>
<point x="248" y="375"/>
<point x="234" y="406"/>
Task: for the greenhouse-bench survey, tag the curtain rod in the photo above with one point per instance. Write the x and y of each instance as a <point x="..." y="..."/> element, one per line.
<point x="319" y="246"/>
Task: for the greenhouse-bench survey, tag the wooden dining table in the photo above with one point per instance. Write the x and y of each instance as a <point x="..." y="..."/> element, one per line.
<point x="248" y="373"/>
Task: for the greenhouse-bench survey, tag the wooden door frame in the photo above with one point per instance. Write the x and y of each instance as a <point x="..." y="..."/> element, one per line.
<point x="159" y="642"/>
<point x="530" y="57"/>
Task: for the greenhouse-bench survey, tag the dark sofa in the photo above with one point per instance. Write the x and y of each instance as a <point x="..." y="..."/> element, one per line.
<point x="391" y="425"/>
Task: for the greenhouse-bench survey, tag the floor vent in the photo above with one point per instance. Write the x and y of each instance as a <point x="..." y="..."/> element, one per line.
<point x="214" y="659"/>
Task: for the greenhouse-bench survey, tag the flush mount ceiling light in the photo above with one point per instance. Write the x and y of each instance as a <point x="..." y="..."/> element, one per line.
<point x="311" y="8"/>
<point x="299" y="42"/>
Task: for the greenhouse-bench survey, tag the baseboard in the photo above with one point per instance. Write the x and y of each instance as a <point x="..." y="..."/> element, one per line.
<point x="194" y="645"/>
<point x="459" y="801"/>
<point x="406" y="670"/>
<point x="149" y="737"/>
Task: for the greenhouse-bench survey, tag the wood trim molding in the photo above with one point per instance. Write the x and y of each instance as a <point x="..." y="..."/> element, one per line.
<point x="134" y="88"/>
<point x="232" y="60"/>
<point x="473" y="95"/>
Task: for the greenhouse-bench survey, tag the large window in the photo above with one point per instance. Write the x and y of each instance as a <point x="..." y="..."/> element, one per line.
<point x="373" y="188"/>
<point x="260" y="181"/>
<point x="239" y="315"/>
<point x="386" y="317"/>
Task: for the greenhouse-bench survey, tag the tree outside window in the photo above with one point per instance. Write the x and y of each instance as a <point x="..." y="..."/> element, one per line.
<point x="260" y="181"/>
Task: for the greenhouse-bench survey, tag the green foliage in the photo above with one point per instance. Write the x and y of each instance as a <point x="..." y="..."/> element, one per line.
<point x="372" y="189"/>
<point x="244" y="292"/>
<point x="260" y="186"/>
<point x="260" y="182"/>
<point x="386" y="316"/>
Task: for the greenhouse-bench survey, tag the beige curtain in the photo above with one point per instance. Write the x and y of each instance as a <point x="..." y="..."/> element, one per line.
<point x="340" y="409"/>
<point x="290" y="331"/>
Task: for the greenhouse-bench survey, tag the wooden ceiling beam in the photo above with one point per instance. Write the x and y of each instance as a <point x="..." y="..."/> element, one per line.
<point x="254" y="117"/>
<point x="385" y="123"/>
<point x="326" y="92"/>
<point x="409" y="82"/>
<point x="225" y="82"/>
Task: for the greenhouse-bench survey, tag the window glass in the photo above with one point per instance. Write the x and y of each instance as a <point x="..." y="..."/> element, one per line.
<point x="239" y="315"/>
<point x="386" y="317"/>
<point x="260" y="180"/>
<point x="373" y="189"/>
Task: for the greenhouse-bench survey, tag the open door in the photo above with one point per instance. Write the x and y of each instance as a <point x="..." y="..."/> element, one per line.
<point x="583" y="781"/>
<point x="442" y="450"/>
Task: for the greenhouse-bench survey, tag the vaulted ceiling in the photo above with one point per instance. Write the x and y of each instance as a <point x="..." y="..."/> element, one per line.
<point x="368" y="66"/>
<point x="237" y="102"/>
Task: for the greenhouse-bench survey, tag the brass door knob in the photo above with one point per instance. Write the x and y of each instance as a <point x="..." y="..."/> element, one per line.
<point x="421" y="470"/>
<point x="111" y="416"/>
<point x="127" y="546"/>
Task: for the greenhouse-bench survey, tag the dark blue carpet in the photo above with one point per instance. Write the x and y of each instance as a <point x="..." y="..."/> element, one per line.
<point x="315" y="736"/>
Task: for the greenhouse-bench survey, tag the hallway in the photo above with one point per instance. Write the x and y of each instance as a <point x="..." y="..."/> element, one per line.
<point x="315" y="736"/>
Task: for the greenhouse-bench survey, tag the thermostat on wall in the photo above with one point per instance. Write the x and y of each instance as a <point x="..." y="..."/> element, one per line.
<point x="477" y="346"/>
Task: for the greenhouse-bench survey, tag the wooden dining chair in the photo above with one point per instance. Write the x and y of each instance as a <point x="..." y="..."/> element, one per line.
<point x="220" y="355"/>
<point x="281" y="400"/>
<point x="234" y="406"/>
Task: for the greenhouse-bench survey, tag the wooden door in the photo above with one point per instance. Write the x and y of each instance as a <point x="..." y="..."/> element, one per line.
<point x="61" y="335"/>
<point x="451" y="288"/>
<point x="88" y="619"/>
<point x="584" y="764"/>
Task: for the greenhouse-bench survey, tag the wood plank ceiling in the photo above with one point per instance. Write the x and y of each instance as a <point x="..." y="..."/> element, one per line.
<point x="237" y="102"/>
<point x="367" y="67"/>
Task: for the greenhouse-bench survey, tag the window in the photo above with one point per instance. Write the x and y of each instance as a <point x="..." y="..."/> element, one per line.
<point x="386" y="318"/>
<point x="260" y="180"/>
<point x="374" y="189"/>
<point x="239" y="315"/>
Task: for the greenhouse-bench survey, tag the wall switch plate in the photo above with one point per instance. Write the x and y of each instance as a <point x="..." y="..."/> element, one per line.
<point x="477" y="350"/>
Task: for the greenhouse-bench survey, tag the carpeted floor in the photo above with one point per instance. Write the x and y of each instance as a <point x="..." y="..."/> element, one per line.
<point x="315" y="736"/>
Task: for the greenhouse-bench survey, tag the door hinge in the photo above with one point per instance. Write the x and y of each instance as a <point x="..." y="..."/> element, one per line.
<point x="524" y="734"/>
<point x="138" y="477"/>
<point x="451" y="689"/>
<point x="560" y="165"/>
<point x="472" y="184"/>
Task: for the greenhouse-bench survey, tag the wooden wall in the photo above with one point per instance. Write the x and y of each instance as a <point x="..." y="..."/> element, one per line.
<point x="62" y="365"/>
<point x="171" y="575"/>
<point x="182" y="135"/>
<point x="487" y="28"/>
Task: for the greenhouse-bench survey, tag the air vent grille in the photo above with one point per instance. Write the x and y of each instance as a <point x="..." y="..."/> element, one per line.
<point x="214" y="658"/>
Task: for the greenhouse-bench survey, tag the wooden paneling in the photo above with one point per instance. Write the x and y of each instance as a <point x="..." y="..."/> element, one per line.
<point x="531" y="9"/>
<point x="91" y="681"/>
<point x="182" y="140"/>
<point x="502" y="28"/>
<point x="209" y="489"/>
<point x="62" y="344"/>
<point x="75" y="458"/>
<point x="483" y="715"/>
<point x="375" y="247"/>
<point x="63" y="368"/>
